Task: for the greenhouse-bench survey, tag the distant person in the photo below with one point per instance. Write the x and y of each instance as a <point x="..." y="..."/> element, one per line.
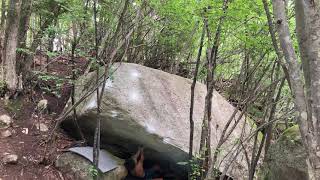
<point x="134" y="165"/>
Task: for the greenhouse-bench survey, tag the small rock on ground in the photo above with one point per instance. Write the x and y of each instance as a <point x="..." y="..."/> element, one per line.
<point x="10" y="158"/>
<point x="42" y="127"/>
<point x="6" y="133"/>
<point x="5" y="119"/>
<point x="42" y="105"/>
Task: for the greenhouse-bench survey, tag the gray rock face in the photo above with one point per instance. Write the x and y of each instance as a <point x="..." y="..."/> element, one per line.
<point x="144" y="106"/>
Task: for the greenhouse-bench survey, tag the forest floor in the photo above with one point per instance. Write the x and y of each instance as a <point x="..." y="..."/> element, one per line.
<point x="36" y="157"/>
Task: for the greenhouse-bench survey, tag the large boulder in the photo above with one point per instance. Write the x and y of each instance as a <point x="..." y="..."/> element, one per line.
<point x="144" y="106"/>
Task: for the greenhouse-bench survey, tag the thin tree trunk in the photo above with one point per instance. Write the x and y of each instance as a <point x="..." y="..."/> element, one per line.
<point x="2" y="27"/>
<point x="74" y="75"/>
<point x="3" y="14"/>
<point x="96" y="144"/>
<point x="271" y="117"/>
<point x="253" y="155"/>
<point x="52" y="36"/>
<point x="205" y="140"/>
<point x="109" y="49"/>
<point x="76" y="40"/>
<point x="274" y="40"/>
<point x="267" y="132"/>
<point x="192" y="99"/>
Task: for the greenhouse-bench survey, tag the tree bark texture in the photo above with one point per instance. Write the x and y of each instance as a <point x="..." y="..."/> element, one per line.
<point x="308" y="28"/>
<point x="10" y="45"/>
<point x="23" y="29"/>
<point x="307" y="104"/>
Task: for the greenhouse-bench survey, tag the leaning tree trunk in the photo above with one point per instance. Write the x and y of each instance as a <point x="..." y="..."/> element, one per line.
<point x="10" y="45"/>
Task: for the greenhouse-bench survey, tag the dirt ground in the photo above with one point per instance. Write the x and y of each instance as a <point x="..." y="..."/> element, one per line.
<point x="36" y="157"/>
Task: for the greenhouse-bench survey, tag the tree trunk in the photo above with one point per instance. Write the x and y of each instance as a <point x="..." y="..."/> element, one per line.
<point x="2" y="27"/>
<point x="3" y="13"/>
<point x="212" y="53"/>
<point x="274" y="41"/>
<point x="308" y="26"/>
<point x="307" y="18"/>
<point x="96" y="140"/>
<point x="291" y="59"/>
<point x="10" y="45"/>
<point x="193" y="85"/>
<point x="23" y="29"/>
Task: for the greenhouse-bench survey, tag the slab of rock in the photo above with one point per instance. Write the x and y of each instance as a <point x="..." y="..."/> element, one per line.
<point x="144" y="106"/>
<point x="5" y="120"/>
<point x="78" y="167"/>
<point x="10" y="158"/>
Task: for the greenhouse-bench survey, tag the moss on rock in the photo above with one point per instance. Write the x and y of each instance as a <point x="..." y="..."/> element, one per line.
<point x="286" y="159"/>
